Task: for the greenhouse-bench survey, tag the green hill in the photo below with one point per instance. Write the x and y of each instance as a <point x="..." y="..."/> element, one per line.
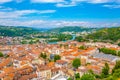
<point x="12" y="31"/>
<point x="71" y="29"/>
<point x="106" y="34"/>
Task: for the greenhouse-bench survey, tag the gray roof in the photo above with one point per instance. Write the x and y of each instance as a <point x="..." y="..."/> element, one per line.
<point x="105" y="56"/>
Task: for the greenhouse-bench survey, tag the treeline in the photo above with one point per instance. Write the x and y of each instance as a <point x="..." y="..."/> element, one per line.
<point x="60" y="37"/>
<point x="81" y="39"/>
<point x="111" y="35"/>
<point x="109" y="51"/>
<point x="105" y="34"/>
<point x="71" y="29"/>
<point x="12" y="31"/>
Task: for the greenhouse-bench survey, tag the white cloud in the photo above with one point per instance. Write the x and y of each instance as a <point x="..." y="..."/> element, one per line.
<point x="46" y="1"/>
<point x="95" y="1"/>
<point x="70" y="23"/>
<point x="29" y="23"/>
<point x="2" y="8"/>
<point x="55" y="23"/>
<point x="112" y="6"/>
<point x="20" y="13"/>
<point x="100" y="1"/>
<point x="16" y="14"/>
<point x="67" y="4"/>
<point x="76" y="2"/>
<point x="19" y="1"/>
<point x="5" y="1"/>
<point x="47" y="11"/>
<point x="71" y="3"/>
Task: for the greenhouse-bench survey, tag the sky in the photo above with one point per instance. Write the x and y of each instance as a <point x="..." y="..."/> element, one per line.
<point x="59" y="13"/>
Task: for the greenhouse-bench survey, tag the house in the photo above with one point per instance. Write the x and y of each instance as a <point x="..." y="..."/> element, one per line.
<point x="61" y="63"/>
<point x="106" y="57"/>
<point x="55" y="71"/>
<point x="51" y="64"/>
<point x="84" y="59"/>
<point x="96" y="69"/>
<point x="28" y="77"/>
<point x="81" y="70"/>
<point x="38" y="61"/>
<point x="44" y="72"/>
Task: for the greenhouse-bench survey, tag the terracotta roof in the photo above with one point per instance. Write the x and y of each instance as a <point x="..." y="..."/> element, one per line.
<point x="43" y="67"/>
<point x="69" y="58"/>
<point x="2" y="75"/>
<point x="113" y="48"/>
<point x="89" y="67"/>
<point x="77" y="54"/>
<point x="65" y="53"/>
<point x="61" y="61"/>
<point x="9" y="70"/>
<point x="55" y="69"/>
<point x="23" y="62"/>
<point x="5" y="62"/>
<point x="27" y="77"/>
<point x="50" y="64"/>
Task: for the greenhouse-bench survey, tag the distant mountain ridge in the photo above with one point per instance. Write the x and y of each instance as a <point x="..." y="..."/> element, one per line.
<point x="71" y="29"/>
<point x="13" y="31"/>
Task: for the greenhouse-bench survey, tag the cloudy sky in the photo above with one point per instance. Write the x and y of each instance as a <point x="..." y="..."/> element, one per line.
<point x="56" y="13"/>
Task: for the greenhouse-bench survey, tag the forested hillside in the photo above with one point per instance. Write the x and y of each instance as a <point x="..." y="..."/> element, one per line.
<point x="112" y="34"/>
<point x="71" y="29"/>
<point x="12" y="31"/>
<point x="104" y="35"/>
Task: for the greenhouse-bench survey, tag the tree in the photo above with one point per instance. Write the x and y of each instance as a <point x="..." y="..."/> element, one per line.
<point x="91" y="71"/>
<point x="77" y="76"/>
<point x="79" y="38"/>
<point x="108" y="51"/>
<point x="105" y="71"/>
<point x="24" y="42"/>
<point x="119" y="53"/>
<point x="31" y="42"/>
<point x="116" y="73"/>
<point x="87" y="77"/>
<point x="69" y="78"/>
<point x="43" y="55"/>
<point x="76" y="63"/>
<point x="82" y="47"/>
<point x="56" y="57"/>
<point x="111" y="78"/>
<point x="118" y="44"/>
<point x="1" y="54"/>
<point x="117" y="66"/>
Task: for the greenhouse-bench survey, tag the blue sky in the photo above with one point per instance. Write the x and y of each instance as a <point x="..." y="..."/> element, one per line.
<point x="57" y="13"/>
